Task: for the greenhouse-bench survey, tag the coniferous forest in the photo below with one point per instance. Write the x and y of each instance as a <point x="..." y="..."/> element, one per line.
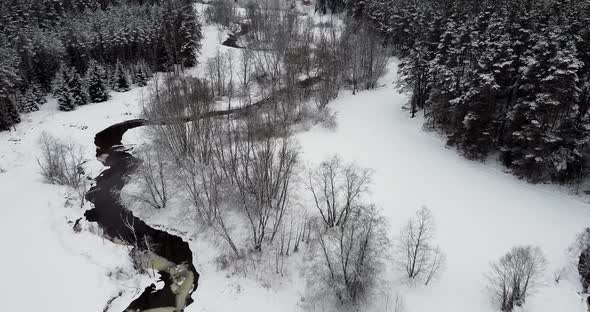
<point x="79" y="49"/>
<point x="508" y="79"/>
<point x="502" y="79"/>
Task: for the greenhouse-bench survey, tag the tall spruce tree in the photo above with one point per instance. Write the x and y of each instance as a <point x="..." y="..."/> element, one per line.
<point x="61" y="89"/>
<point x="141" y="74"/>
<point x="8" y="114"/>
<point x="30" y="100"/>
<point x="190" y="34"/>
<point x="120" y="80"/>
<point x="97" y="83"/>
<point x="9" y="78"/>
<point x="77" y="87"/>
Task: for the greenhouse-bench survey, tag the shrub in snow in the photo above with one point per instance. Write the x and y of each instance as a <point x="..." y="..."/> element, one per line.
<point x="415" y="253"/>
<point x="61" y="163"/>
<point x="515" y="275"/>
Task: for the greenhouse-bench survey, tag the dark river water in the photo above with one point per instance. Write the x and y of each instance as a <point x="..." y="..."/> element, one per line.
<point x="112" y="217"/>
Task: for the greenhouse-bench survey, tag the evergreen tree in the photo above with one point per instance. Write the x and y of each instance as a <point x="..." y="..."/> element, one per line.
<point x="61" y="90"/>
<point x="120" y="80"/>
<point x="30" y="100"/>
<point x="141" y="74"/>
<point x="8" y="114"/>
<point x="190" y="35"/>
<point x="8" y="79"/>
<point x="97" y="83"/>
<point x="77" y="88"/>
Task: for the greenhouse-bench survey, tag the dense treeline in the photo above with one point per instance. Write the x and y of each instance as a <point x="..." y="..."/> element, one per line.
<point x="48" y="45"/>
<point x="496" y="77"/>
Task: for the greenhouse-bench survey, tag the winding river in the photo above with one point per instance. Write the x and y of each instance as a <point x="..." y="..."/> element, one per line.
<point x="169" y="254"/>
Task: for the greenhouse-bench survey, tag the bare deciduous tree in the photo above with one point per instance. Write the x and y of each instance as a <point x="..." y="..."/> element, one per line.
<point x="515" y="275"/>
<point x="263" y="173"/>
<point x="168" y="104"/>
<point x="330" y="61"/>
<point x="416" y="254"/>
<point x="197" y="149"/>
<point x="336" y="189"/>
<point x="436" y="265"/>
<point x="351" y="256"/>
<point x="222" y="12"/>
<point x="208" y="191"/>
<point x="153" y="173"/>
<point x="217" y="68"/>
<point x="366" y="55"/>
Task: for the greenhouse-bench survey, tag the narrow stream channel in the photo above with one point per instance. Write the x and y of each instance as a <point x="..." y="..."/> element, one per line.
<point x="171" y="256"/>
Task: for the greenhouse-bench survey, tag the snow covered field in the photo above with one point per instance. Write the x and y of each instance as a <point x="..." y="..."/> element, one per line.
<point x="480" y="211"/>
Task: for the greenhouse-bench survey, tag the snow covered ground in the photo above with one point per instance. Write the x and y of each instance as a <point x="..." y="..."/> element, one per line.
<point x="480" y="211"/>
<point x="46" y="266"/>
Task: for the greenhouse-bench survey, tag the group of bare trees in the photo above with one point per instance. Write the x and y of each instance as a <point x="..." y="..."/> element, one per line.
<point x="237" y="177"/>
<point x="61" y="163"/>
<point x="352" y="256"/>
<point x="510" y="280"/>
<point x="263" y="172"/>
<point x="351" y="56"/>
<point x="238" y="172"/>
<point x="281" y="47"/>
<point x="351" y="235"/>
<point x="367" y="58"/>
<point x="352" y="243"/>
<point x="230" y="171"/>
